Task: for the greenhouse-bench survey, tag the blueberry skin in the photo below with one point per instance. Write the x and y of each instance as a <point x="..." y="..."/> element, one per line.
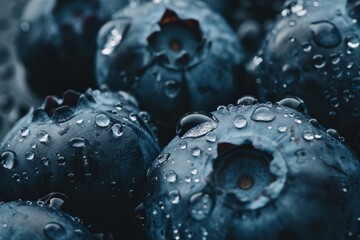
<point x="94" y="148"/>
<point x="179" y="56"/>
<point x="56" y="41"/>
<point x="35" y="221"/>
<point x="312" y="52"/>
<point x="253" y="171"/>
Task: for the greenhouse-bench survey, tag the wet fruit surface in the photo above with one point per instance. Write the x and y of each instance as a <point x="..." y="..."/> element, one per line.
<point x="164" y="57"/>
<point x="312" y="53"/>
<point x="94" y="148"/>
<point x="36" y="221"/>
<point x="262" y="171"/>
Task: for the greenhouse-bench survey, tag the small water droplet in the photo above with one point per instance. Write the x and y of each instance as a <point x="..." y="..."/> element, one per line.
<point x="171" y="88"/>
<point x="42" y="136"/>
<point x="294" y="103"/>
<point x="77" y="142"/>
<point x="54" y="231"/>
<point x="262" y="114"/>
<point x="282" y="129"/>
<point x="196" y="151"/>
<point x="171" y="176"/>
<point x="183" y="145"/>
<point x="210" y="137"/>
<point x="132" y="117"/>
<point x="353" y="41"/>
<point x="174" y="196"/>
<point x="8" y="159"/>
<point x="163" y="157"/>
<point x="24" y="132"/>
<point x="240" y="121"/>
<point x="306" y="47"/>
<point x="297" y="120"/>
<point x="29" y="155"/>
<point x="117" y="130"/>
<point x="102" y="120"/>
<point x="247" y="100"/>
<point x="319" y="61"/>
<point x="308" y="135"/>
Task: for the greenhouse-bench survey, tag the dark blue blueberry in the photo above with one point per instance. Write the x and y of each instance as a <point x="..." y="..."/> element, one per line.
<point x="179" y="56"/>
<point x="36" y="221"/>
<point x="94" y="148"/>
<point x="254" y="171"/>
<point x="56" y="42"/>
<point x="312" y="52"/>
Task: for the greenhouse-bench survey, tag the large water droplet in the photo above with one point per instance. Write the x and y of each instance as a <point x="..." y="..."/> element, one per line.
<point x="294" y="103"/>
<point x="54" y="231"/>
<point x="240" y="121"/>
<point x="308" y="135"/>
<point x="263" y="114"/>
<point x="77" y="142"/>
<point x="325" y="34"/>
<point x="24" y="132"/>
<point x="247" y="100"/>
<point x="201" y="206"/>
<point x="196" y="125"/>
<point x="319" y="61"/>
<point x="42" y="136"/>
<point x="102" y="120"/>
<point x="8" y="159"/>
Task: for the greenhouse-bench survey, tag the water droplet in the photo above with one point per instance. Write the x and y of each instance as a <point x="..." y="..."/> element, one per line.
<point x="102" y="120"/>
<point x="117" y="130"/>
<point x="240" y="121"/>
<point x="77" y="142"/>
<point x="42" y="136"/>
<point x="163" y="157"/>
<point x="171" y="88"/>
<point x="45" y="161"/>
<point x="24" y="132"/>
<point x="196" y="125"/>
<point x="196" y="151"/>
<point x="262" y="114"/>
<point x="79" y="121"/>
<point x="294" y="103"/>
<point x="201" y="206"/>
<point x="171" y="176"/>
<point x="247" y="100"/>
<point x="183" y="145"/>
<point x="132" y="117"/>
<point x="29" y="155"/>
<point x="61" y="161"/>
<point x="8" y="159"/>
<point x="174" y="196"/>
<point x="319" y="61"/>
<point x="308" y="135"/>
<point x="210" y="137"/>
<point x="297" y="120"/>
<point x="335" y="58"/>
<point x="333" y="133"/>
<point x="54" y="231"/>
<point x="282" y="129"/>
<point x="353" y="41"/>
<point x="325" y="34"/>
<point x="306" y="47"/>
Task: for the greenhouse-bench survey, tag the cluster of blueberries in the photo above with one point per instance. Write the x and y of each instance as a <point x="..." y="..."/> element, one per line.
<point x="186" y="120"/>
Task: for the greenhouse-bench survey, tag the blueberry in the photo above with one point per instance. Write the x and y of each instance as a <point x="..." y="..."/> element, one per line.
<point x="312" y="52"/>
<point x="253" y="171"/>
<point x="36" y="221"/>
<point x="94" y="148"/>
<point x="56" y="41"/>
<point x="179" y="56"/>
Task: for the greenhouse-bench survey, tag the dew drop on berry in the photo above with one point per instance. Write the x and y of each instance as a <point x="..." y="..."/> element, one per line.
<point x="294" y="103"/>
<point x="247" y="100"/>
<point x="77" y="142"/>
<point x="171" y="176"/>
<point x="102" y="120"/>
<point x="42" y="136"/>
<point x="8" y="159"/>
<point x="54" y="231"/>
<point x="117" y="130"/>
<point x="163" y="157"/>
<point x="174" y="196"/>
<point x="29" y="155"/>
<point x="196" y="125"/>
<point x="196" y="151"/>
<point x="262" y="114"/>
<point x="308" y="135"/>
<point x="210" y="137"/>
<point x="353" y="41"/>
<point x="319" y="61"/>
<point x="24" y="132"/>
<point x="325" y="34"/>
<point x="240" y="122"/>
<point x="282" y="129"/>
